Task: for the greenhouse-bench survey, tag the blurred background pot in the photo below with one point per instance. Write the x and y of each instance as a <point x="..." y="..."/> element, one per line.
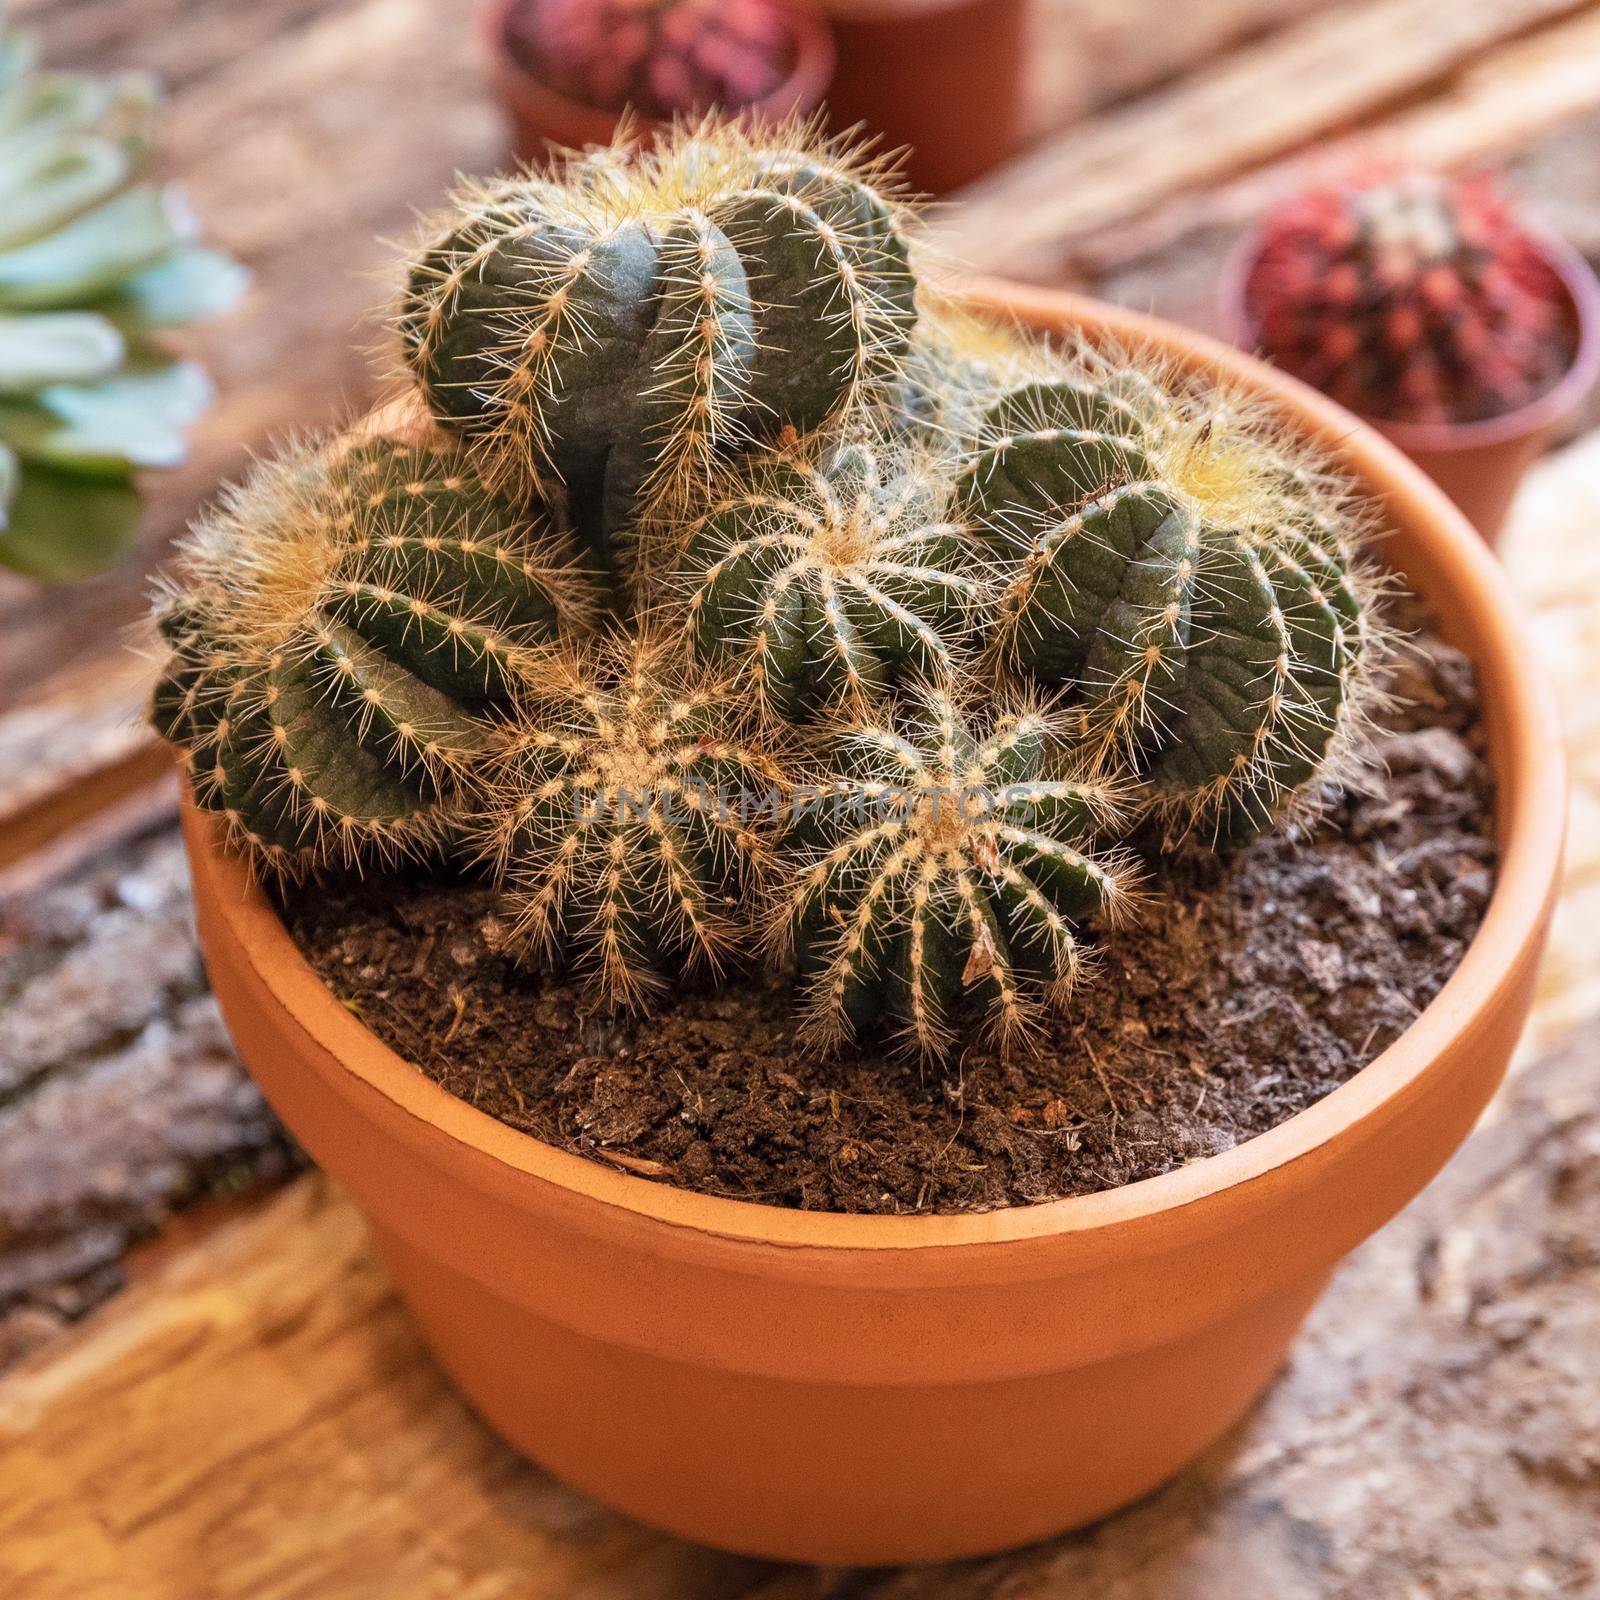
<point x="543" y="116"/>
<point x="1479" y="463"/>
<point x="942" y="77"/>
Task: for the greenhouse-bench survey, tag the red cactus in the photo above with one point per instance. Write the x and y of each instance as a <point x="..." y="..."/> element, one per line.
<point x="1410" y="297"/>
<point x="664" y="58"/>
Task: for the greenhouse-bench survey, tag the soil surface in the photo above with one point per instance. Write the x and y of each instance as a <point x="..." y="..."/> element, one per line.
<point x="1255" y="983"/>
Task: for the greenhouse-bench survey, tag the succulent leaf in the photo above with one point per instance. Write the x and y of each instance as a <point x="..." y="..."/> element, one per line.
<point x="61" y="527"/>
<point x="133" y="418"/>
<point x="95" y="252"/>
<point x="187" y="286"/>
<point x="91" y="260"/>
<point x="51" y="183"/>
<point x="56" y="347"/>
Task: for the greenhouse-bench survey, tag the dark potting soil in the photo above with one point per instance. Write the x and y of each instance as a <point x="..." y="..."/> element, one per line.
<point x="1255" y="983"/>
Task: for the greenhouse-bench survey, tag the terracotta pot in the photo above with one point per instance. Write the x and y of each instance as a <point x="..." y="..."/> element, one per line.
<point x="943" y="78"/>
<point x="1478" y="464"/>
<point x="542" y="118"/>
<point x="854" y="1389"/>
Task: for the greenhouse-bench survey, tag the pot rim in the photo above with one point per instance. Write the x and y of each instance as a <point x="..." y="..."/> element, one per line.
<point x="573" y="123"/>
<point x="1531" y="814"/>
<point x="1444" y="438"/>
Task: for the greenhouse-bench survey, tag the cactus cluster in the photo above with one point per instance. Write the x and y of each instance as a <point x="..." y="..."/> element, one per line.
<point x="919" y="624"/>
<point x="659" y="58"/>
<point x="1410" y="297"/>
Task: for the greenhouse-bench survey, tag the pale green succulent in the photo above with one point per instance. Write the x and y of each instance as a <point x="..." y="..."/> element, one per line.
<point x="95" y="261"/>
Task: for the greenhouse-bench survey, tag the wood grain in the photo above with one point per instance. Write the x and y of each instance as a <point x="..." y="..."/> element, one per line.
<point x="1257" y="104"/>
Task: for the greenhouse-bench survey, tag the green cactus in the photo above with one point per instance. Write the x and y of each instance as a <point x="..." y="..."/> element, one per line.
<point x="1195" y="581"/>
<point x="625" y="321"/>
<point x="941" y="863"/>
<point x="630" y="823"/>
<point x="831" y="574"/>
<point x="346" y="636"/>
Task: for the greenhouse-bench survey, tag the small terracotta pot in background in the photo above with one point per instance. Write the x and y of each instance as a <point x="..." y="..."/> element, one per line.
<point x="861" y="1389"/>
<point x="1478" y="464"/>
<point x="941" y="77"/>
<point x="542" y="118"/>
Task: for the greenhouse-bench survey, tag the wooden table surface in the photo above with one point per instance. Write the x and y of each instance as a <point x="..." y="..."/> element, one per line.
<point x="213" y="1392"/>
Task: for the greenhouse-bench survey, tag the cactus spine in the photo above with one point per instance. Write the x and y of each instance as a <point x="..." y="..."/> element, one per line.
<point x="624" y="322"/>
<point x="346" y="634"/>
<point x="831" y="576"/>
<point x="630" y="822"/>
<point x="941" y="865"/>
<point x="1194" y="581"/>
<point x="1410" y="297"/>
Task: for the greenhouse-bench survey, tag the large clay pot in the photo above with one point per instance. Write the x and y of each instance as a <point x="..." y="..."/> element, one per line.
<point x="543" y="119"/>
<point x="1478" y="464"/>
<point x="941" y="78"/>
<point x="870" y="1389"/>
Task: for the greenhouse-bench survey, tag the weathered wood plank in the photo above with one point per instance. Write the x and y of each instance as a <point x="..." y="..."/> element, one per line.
<point x="121" y="1099"/>
<point x="286" y="1342"/>
<point x="77" y="745"/>
<point x="1332" y="70"/>
<point x="1086" y="55"/>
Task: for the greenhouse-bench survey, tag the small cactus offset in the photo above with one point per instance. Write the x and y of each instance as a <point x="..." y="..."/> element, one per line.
<point x="346" y="634"/>
<point x="630" y="823"/>
<point x="1410" y="297"/>
<point x="954" y="358"/>
<point x="621" y="324"/>
<point x="832" y="576"/>
<point x="1195" y="582"/>
<point x="660" y="58"/>
<point x="941" y="865"/>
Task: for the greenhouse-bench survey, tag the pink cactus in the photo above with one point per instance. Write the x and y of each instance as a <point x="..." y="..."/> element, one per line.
<point x="1410" y="297"/>
<point x="663" y="58"/>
